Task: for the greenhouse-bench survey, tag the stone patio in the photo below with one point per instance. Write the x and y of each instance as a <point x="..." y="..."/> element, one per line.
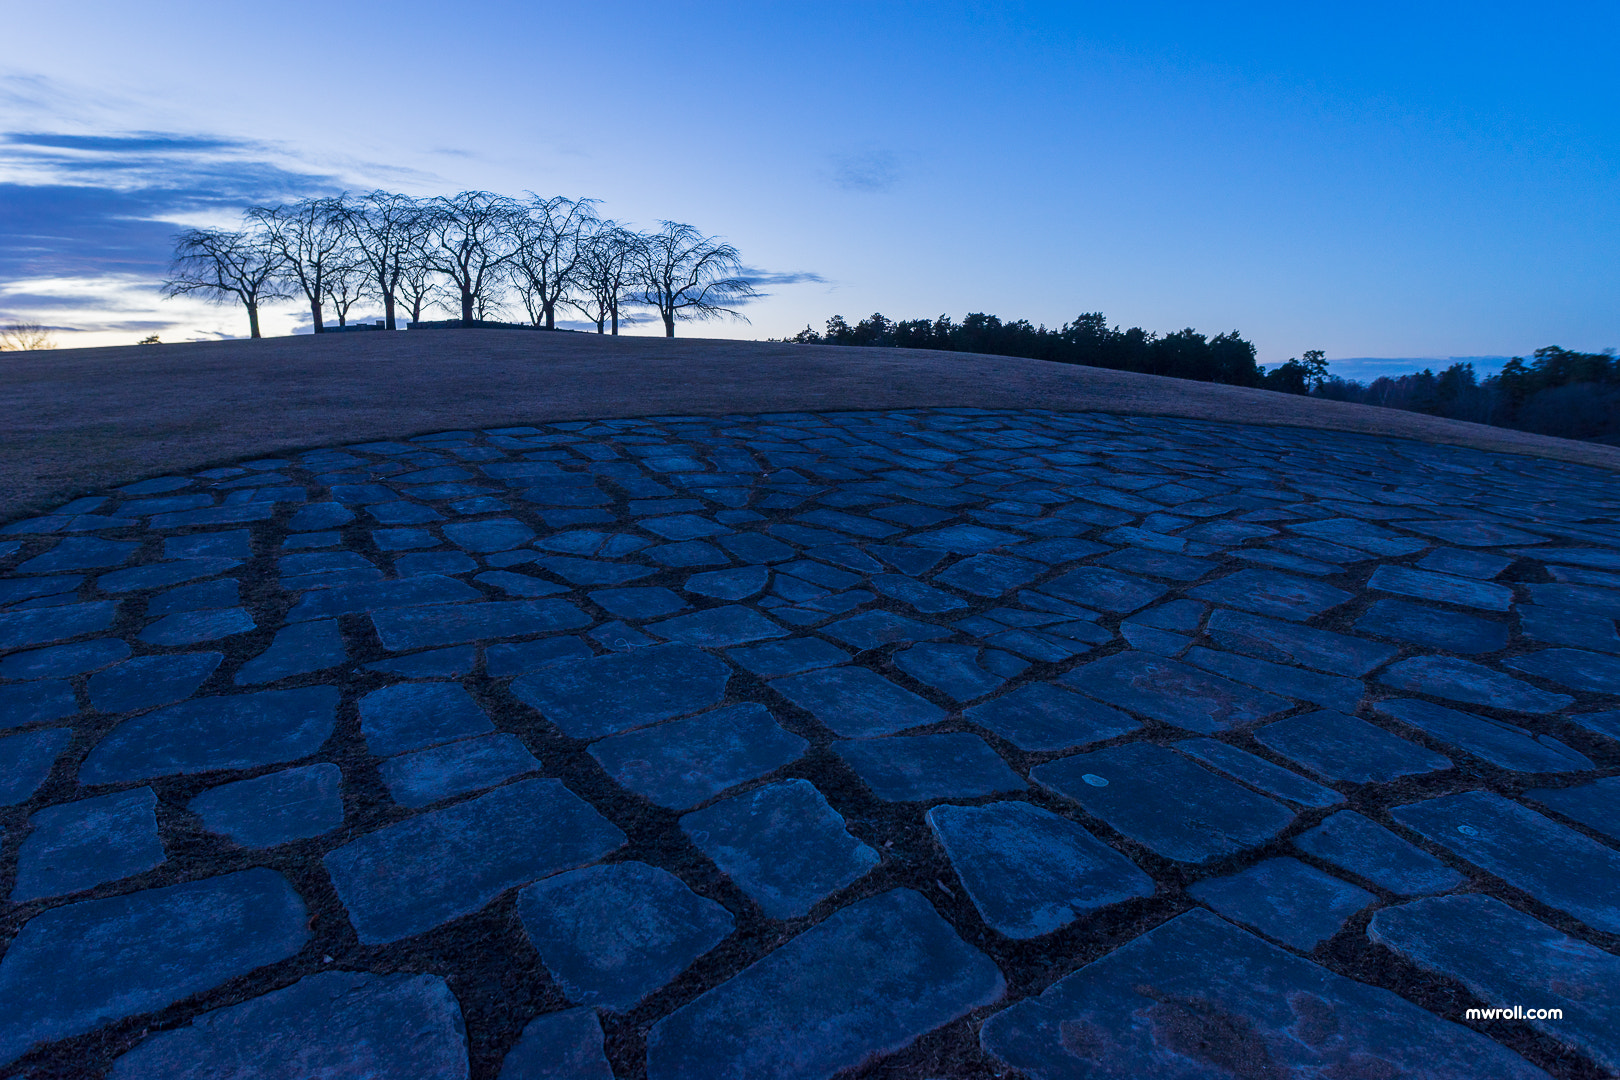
<point x="925" y="743"/>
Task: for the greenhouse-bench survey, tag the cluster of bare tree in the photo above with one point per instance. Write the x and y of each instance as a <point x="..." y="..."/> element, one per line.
<point x="475" y="254"/>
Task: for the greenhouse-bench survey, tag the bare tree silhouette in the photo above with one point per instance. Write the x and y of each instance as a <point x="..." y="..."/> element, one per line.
<point x="686" y="275"/>
<point x="550" y="242"/>
<point x="470" y="240"/>
<point x="222" y="266"/>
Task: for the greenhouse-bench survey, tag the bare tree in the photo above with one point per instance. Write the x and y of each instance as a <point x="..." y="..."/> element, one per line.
<point x="222" y="266"/>
<point x="686" y="275"/>
<point x="25" y="337"/>
<point x="549" y="236"/>
<point x="606" y="273"/>
<point x="470" y="240"/>
<point x="310" y="237"/>
<point x="386" y="229"/>
<point x="417" y="287"/>
<point x="346" y="282"/>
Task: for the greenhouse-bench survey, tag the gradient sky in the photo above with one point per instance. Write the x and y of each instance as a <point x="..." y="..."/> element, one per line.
<point x="1373" y="180"/>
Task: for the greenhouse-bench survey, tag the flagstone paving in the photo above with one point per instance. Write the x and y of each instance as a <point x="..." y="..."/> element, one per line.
<point x="929" y="743"/>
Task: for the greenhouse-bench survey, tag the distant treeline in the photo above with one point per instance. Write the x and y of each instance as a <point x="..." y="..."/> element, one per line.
<point x="1089" y="340"/>
<point x="1573" y="395"/>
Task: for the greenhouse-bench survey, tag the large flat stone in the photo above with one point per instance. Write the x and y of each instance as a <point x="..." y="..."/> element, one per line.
<point x="684" y="762"/>
<point x="193" y="627"/>
<point x="1271" y="592"/>
<point x="1173" y="692"/>
<point x="1199" y="998"/>
<point x="1165" y="802"/>
<point x="718" y="627"/>
<point x="1284" y="680"/>
<point x="26" y="760"/>
<point x="1260" y="773"/>
<point x="1509" y="959"/>
<point x="1100" y="587"/>
<point x="148" y="681"/>
<point x="41" y="626"/>
<point x="438" y="772"/>
<point x="79" y="845"/>
<point x="923" y="768"/>
<point x="1030" y="872"/>
<point x="1285" y="899"/>
<point x="856" y="703"/>
<point x="588" y="699"/>
<point x="611" y="935"/>
<point x="334" y="1024"/>
<point x="773" y="658"/>
<point x="71" y="969"/>
<point x="1554" y="864"/>
<point x="411" y="716"/>
<point x="1041" y="716"/>
<point x="1434" y="628"/>
<point x="1574" y="668"/>
<point x="80" y="553"/>
<point x="870" y="979"/>
<point x="1354" y="843"/>
<point x="870" y="629"/>
<point x="36" y="702"/>
<point x="293" y="804"/>
<point x="297" y="650"/>
<point x="60" y="660"/>
<point x="1289" y="643"/>
<point x="240" y="731"/>
<point x="563" y="1045"/>
<point x="1465" y="592"/>
<point x="416" y="874"/>
<point x="1474" y="684"/>
<point x="1502" y="744"/>
<point x="1595" y="805"/>
<point x="782" y="845"/>
<point x="410" y="628"/>
<point x="1342" y="747"/>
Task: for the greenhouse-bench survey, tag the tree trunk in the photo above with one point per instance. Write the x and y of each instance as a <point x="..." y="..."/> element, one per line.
<point x="315" y="314"/>
<point x="253" y="318"/>
<point x="599" y="323"/>
<point x="551" y="316"/>
<point x="466" y="306"/>
<point x="669" y="324"/>
<point x="615" y="319"/>
<point x="388" y="309"/>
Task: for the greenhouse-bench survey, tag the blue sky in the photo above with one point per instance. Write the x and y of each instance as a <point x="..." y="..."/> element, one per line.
<point x="1374" y="180"/>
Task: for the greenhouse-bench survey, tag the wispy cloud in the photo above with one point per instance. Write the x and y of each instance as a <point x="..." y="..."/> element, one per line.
<point x="874" y="171"/>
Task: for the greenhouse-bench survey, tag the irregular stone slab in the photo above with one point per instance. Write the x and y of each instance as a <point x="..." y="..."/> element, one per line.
<point x="1360" y="534"/>
<point x="60" y="660"/>
<point x="157" y="575"/>
<point x="1354" y="843"/>
<point x="990" y="575"/>
<point x="80" y="553"/>
<point x="411" y="591"/>
<point x="520" y="584"/>
<point x="442" y="563"/>
<point x="204" y="596"/>
<point x="611" y="935"/>
<point x="293" y="804"/>
<point x="1432" y="627"/>
<point x="638" y="603"/>
<point x="1560" y="626"/>
<point x="298" y="649"/>
<point x="1100" y="587"/>
<point x="1259" y="773"/>
<point x="953" y="670"/>
<point x="235" y="544"/>
<point x="71" y="969"/>
<point x="436" y="663"/>
<point x="1290" y="643"/>
<point x="1041" y="716"/>
<point x="1198" y="997"/>
<point x="416" y="874"/>
<point x="1173" y="692"/>
<point x="16" y="590"/>
<point x="215" y="515"/>
<point x="496" y="534"/>
<point x="334" y="1024"/>
<point x="1556" y="865"/>
<point x="1341" y="747"/>
<point x="26" y="761"/>
<point x="405" y="629"/>
<point x="588" y="699"/>
<point x="738" y="584"/>
<point x="239" y="731"/>
<point x="718" y="627"/>
<point x="1575" y="668"/>
<point x="403" y="539"/>
<point x="1473" y="533"/>
<point x="1509" y="959"/>
<point x="788" y="657"/>
<point x="1465" y="592"/>
<point x="1030" y="872"/>
<point x="192" y="627"/>
<point x="522" y="657"/>
<point x="412" y="716"/>
<point x="923" y="768"/>
<point x="1463" y="680"/>
<point x="1595" y="805"/>
<point x="148" y="681"/>
<point x="870" y="629"/>
<point x="1270" y="592"/>
<point x="1471" y="564"/>
<point x="857" y="703"/>
<point x="321" y="515"/>
<point x="1285" y="899"/>
<point x="426" y="776"/>
<point x="592" y="571"/>
<point x="1604" y="602"/>
<point x="79" y="845"/>
<point x="559" y="1046"/>
<point x="963" y="539"/>
<point x="870" y="979"/>
<point x="1329" y="691"/>
<point x="782" y="845"/>
<point x="1502" y="744"/>
<point x="41" y="626"/>
<point x="1165" y="802"/>
<point x="684" y="762"/>
<point x="34" y="703"/>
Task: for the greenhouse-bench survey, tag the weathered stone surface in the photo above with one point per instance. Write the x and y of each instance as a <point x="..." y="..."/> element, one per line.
<point x="411" y="716"/>
<point x="1432" y="627"/>
<point x="1099" y="587"/>
<point x="71" y="969"/>
<point x="1329" y="691"/>
<point x="559" y="1046"/>
<point x="857" y="703"/>
<point x="923" y="768"/>
<point x="1269" y="592"/>
<point x="418" y="873"/>
<point x="79" y="845"/>
<point x="32" y="703"/>
<point x="239" y="731"/>
<point x="1030" y="872"/>
<point x="149" y="681"/>
<point x="587" y="699"/>
<point x="870" y="629"/>
<point x="297" y="650"/>
<point x="1574" y="668"/>
<point x="646" y="602"/>
<point x="406" y="629"/>
<point x="192" y="627"/>
<point x="1465" y="592"/>
<point x="1041" y="716"/>
<point x="293" y="804"/>
<point x="782" y="845"/>
<point x="1165" y="802"/>
<point x="1173" y="692"/>
<point x="26" y="760"/>
<point x="870" y="979"/>
<point x="1354" y="843"/>
<point x="1290" y="643"/>
<point x="334" y="1024"/>
<point x="683" y="762"/>
<point x="1509" y="959"/>
<point x="438" y="772"/>
<point x="953" y="670"/>
<point x="1595" y="805"/>
<point x="1556" y="865"/>
<point x="718" y="627"/>
<point x="80" y="553"/>
<point x="611" y="935"/>
<point x="1341" y="747"/>
<point x="1198" y="997"/>
<point x="1471" y="683"/>
<point x="1502" y="744"/>
<point x="1259" y="773"/>
<point x="435" y="663"/>
<point x="59" y="660"/>
<point x="1285" y="899"/>
<point x="41" y="626"/>
<point x="1472" y="564"/>
<point x="789" y="657"/>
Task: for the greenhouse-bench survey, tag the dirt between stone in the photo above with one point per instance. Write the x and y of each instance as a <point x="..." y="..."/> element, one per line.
<point x="76" y="420"/>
